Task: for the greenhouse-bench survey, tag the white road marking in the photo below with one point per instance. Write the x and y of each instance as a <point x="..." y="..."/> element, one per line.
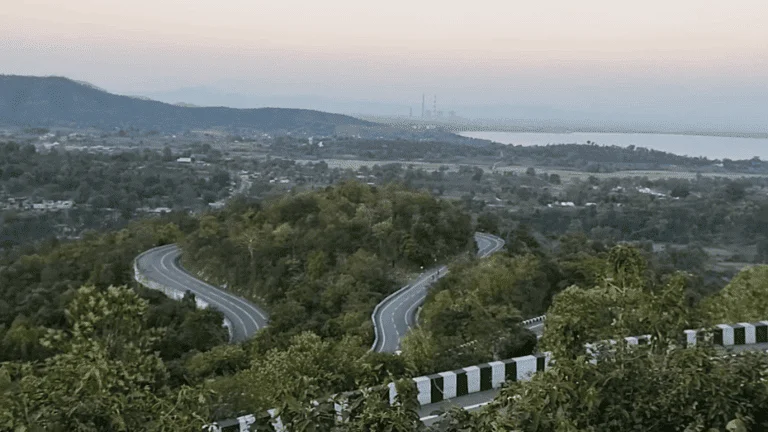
<point x="233" y="300"/>
<point x="212" y="295"/>
<point x="412" y="296"/>
<point x="206" y="298"/>
<point x="468" y="408"/>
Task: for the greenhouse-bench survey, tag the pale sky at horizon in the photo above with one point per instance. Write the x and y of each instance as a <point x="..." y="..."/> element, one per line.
<point x="473" y="52"/>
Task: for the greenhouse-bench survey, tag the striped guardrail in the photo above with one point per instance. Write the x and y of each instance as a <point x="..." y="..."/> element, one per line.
<point x="732" y="335"/>
<point x="534" y="320"/>
<point x="473" y="379"/>
<point x="487" y="376"/>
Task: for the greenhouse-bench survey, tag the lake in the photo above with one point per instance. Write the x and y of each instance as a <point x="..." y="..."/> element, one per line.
<point x="713" y="147"/>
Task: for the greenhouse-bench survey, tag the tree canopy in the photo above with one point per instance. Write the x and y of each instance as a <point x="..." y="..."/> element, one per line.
<point x="320" y="261"/>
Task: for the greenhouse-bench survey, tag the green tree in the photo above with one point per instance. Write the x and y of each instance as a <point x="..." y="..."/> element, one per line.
<point x="308" y="369"/>
<point x="625" y="303"/>
<point x="105" y="378"/>
<point x="742" y="300"/>
<point x="637" y="389"/>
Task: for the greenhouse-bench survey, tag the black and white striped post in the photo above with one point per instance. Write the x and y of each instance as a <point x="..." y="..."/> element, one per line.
<point x="487" y="376"/>
<point x="473" y="379"/>
<point x="731" y="335"/>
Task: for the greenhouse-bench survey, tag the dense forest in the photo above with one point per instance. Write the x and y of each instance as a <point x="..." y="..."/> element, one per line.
<point x="705" y="210"/>
<point x="320" y="261"/>
<point x="472" y="315"/>
<point x="124" y="181"/>
<point x="658" y="387"/>
<point x="38" y="282"/>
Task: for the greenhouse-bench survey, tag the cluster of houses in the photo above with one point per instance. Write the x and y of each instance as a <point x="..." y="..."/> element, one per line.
<point x="649" y="191"/>
<point x="29" y="205"/>
<point x="156" y="210"/>
<point x="195" y="158"/>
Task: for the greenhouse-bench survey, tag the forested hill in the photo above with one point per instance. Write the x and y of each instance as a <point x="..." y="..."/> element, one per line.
<point x="321" y="260"/>
<point x="56" y="101"/>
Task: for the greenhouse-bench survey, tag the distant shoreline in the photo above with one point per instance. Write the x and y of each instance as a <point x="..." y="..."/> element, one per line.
<point x="459" y="126"/>
<point x="715" y="147"/>
<point x="750" y="135"/>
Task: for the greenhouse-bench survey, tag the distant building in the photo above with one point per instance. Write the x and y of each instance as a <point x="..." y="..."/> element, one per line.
<point x="53" y="205"/>
<point x="184" y="160"/>
<point x="562" y="204"/>
<point x="649" y="191"/>
<point x="157" y="210"/>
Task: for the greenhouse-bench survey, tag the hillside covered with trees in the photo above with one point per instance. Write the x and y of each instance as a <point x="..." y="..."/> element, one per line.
<point x="104" y="374"/>
<point x="320" y="261"/>
<point x="37" y="284"/>
<point x="57" y="101"/>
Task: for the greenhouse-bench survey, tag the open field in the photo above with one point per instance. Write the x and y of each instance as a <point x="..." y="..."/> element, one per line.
<point x="565" y="175"/>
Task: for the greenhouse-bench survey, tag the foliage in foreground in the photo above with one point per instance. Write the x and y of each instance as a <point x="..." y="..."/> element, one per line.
<point x="636" y="390"/>
<point x="106" y="376"/>
<point x="102" y="371"/>
<point x="625" y="303"/>
<point x="37" y="285"/>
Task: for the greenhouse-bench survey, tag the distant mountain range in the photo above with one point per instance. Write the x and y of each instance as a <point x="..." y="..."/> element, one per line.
<point x="707" y="113"/>
<point x="62" y="102"/>
<point x="212" y="96"/>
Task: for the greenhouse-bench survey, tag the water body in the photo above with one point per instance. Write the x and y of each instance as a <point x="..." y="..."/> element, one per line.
<point x="712" y="147"/>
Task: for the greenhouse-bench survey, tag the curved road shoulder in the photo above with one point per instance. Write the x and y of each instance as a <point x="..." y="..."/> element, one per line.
<point x="159" y="269"/>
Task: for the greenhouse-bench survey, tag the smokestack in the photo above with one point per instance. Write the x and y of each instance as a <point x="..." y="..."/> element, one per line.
<point x="423" y="98"/>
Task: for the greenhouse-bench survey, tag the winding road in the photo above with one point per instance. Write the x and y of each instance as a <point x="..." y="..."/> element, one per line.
<point x="161" y="266"/>
<point x="396" y="314"/>
<point x="392" y="317"/>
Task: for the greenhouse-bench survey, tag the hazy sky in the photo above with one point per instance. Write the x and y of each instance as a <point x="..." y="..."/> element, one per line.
<point x="559" y="52"/>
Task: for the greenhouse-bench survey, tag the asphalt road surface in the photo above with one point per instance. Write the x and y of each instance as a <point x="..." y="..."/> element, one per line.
<point x="161" y="265"/>
<point x="536" y="328"/>
<point x="396" y="314"/>
<point x="429" y="414"/>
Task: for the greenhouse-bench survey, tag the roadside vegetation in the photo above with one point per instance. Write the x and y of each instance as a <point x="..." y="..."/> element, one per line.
<point x="104" y="373"/>
<point x="38" y="283"/>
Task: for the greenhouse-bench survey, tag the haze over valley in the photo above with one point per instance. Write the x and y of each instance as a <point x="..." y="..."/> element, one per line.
<point x="423" y="216"/>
